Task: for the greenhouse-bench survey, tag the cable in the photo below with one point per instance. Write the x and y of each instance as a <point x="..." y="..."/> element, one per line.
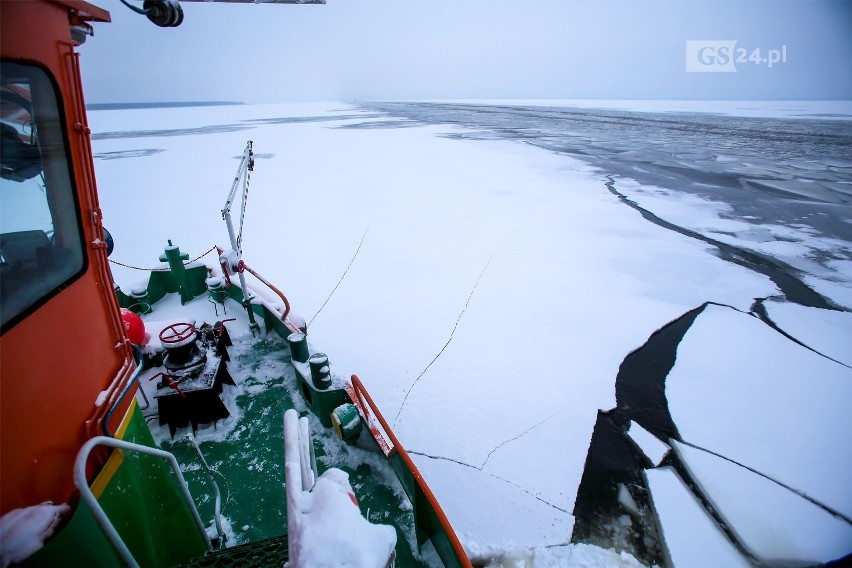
<point x="134" y="8"/>
<point x="217" y="496"/>
<point x="187" y="263"/>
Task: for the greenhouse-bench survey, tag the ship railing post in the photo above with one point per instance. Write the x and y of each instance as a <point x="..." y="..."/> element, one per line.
<point x="97" y="511"/>
<point x="293" y="482"/>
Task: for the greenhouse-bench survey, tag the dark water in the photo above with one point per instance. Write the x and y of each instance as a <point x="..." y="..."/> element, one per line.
<point x="614" y="460"/>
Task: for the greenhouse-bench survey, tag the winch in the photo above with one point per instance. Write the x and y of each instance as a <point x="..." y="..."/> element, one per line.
<point x="184" y="359"/>
<point x="195" y="362"/>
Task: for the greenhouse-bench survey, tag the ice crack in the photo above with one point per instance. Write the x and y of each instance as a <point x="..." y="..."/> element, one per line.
<point x="758" y="309"/>
<point x="497" y="477"/>
<point x="798" y="492"/>
<point x="501" y="444"/>
<point x="345" y="272"/>
<point x="452" y="333"/>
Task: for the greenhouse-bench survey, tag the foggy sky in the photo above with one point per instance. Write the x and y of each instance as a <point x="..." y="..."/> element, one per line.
<point x="437" y="49"/>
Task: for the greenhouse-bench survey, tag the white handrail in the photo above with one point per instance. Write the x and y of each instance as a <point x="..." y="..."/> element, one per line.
<point x="307" y="457"/>
<point x="293" y="481"/>
<point x="98" y="512"/>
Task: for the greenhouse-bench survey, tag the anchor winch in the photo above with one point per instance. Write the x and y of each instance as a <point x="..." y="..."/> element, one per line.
<point x="196" y="370"/>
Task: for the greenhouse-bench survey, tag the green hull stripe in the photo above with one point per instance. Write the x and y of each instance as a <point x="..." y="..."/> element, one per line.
<point x="143" y="502"/>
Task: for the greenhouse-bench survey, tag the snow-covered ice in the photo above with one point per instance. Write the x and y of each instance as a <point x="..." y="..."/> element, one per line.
<point x="825" y="331"/>
<point x="839" y="109"/>
<point x="797" y="246"/>
<point x="489" y="292"/>
<point x="653" y="449"/>
<point x="692" y="537"/>
<point x="742" y="390"/>
<point x="775" y="524"/>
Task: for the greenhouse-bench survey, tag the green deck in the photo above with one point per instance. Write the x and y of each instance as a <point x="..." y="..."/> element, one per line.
<point x="270" y="552"/>
<point x="246" y="451"/>
<point x="249" y="458"/>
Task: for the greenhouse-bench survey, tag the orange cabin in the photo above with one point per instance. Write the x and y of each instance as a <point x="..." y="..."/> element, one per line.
<point x="63" y="347"/>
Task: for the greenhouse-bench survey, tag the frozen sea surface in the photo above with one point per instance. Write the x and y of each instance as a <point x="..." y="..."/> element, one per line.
<point x="487" y="269"/>
<point x="780" y="187"/>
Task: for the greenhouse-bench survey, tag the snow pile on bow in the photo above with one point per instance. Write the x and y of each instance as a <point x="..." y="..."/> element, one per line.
<point x="330" y="530"/>
<point x="324" y="523"/>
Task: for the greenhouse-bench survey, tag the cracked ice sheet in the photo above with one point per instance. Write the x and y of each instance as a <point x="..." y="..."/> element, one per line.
<point x="826" y="331"/>
<point x="691" y="536"/>
<point x="575" y="288"/>
<point x="541" y="524"/>
<point x="745" y="391"/>
<point x="789" y="530"/>
<point x="796" y="245"/>
<point x="169" y="119"/>
<point x="841" y="110"/>
<point x="577" y="281"/>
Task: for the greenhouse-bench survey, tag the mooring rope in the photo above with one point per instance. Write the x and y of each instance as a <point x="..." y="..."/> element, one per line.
<point x="211" y="249"/>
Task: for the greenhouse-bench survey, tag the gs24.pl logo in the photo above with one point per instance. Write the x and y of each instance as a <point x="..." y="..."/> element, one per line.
<point x="722" y="56"/>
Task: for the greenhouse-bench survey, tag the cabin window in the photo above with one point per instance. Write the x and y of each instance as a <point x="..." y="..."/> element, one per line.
<point x="41" y="244"/>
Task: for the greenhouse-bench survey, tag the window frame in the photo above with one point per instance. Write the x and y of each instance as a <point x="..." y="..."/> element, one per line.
<point x="62" y="136"/>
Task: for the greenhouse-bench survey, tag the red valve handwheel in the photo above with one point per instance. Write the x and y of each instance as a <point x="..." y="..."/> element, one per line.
<point x="177" y="332"/>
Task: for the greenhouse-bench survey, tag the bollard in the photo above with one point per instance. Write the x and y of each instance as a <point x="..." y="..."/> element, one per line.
<point x="175" y="260"/>
<point x="298" y="342"/>
<point x="141" y="302"/>
<point x="320" y="370"/>
<point x="217" y="292"/>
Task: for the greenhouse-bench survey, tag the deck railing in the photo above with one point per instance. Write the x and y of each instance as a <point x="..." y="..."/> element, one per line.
<point x="433" y="521"/>
<point x="97" y="511"/>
